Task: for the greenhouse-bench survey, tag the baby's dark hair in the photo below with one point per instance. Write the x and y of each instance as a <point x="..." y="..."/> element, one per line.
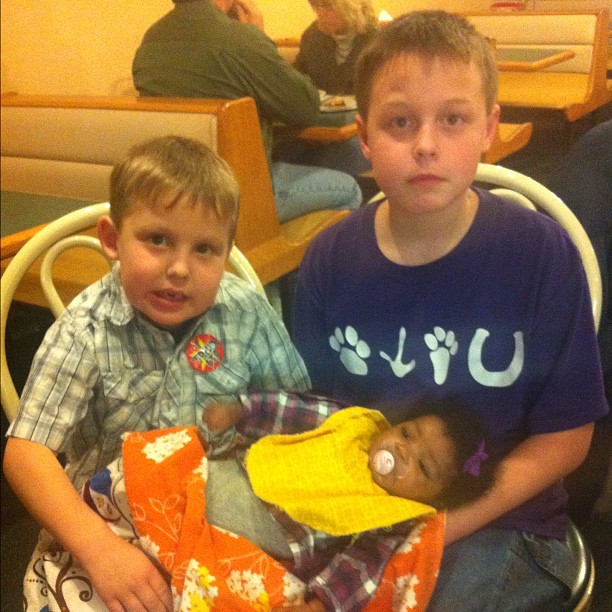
<point x="475" y="471"/>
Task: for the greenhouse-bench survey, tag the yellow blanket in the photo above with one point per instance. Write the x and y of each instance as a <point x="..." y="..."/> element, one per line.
<point x="321" y="477"/>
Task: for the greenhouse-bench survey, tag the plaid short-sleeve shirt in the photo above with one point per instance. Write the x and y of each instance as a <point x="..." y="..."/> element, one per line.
<point x="103" y="369"/>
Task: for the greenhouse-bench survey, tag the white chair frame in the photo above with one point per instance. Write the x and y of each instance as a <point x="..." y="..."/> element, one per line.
<point x="54" y="239"/>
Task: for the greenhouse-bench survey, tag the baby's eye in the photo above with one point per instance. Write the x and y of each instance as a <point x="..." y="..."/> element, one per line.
<point x="405" y="433"/>
<point x="423" y="467"/>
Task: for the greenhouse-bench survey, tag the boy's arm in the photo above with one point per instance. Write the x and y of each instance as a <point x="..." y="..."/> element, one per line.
<point x="122" y="575"/>
<point x="537" y="463"/>
<point x="273" y="360"/>
<point x="229" y="425"/>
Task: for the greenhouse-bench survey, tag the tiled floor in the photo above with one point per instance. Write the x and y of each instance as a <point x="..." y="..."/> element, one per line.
<point x="538" y="160"/>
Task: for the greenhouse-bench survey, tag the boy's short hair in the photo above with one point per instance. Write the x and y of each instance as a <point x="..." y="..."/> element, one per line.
<point x="428" y="34"/>
<point x="170" y="169"/>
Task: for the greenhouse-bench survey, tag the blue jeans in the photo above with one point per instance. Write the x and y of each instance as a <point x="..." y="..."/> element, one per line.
<point x="503" y="571"/>
<point x="303" y="189"/>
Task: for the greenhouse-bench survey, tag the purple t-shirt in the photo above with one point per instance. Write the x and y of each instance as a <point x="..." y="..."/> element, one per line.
<point x="503" y="321"/>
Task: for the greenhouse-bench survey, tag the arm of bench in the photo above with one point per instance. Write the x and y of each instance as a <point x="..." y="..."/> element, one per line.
<point x="510" y="137"/>
<point x="232" y="130"/>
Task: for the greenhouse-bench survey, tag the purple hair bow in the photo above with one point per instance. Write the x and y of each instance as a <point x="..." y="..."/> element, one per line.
<point x="472" y="465"/>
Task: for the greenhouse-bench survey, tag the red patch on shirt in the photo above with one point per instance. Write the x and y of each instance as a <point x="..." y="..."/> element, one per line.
<point x="204" y="353"/>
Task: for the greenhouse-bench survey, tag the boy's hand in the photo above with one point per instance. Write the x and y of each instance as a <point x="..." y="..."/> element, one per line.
<point x="126" y="579"/>
<point x="218" y="417"/>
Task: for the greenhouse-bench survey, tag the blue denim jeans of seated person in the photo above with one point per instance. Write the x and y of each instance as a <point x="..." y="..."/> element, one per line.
<point x="496" y="570"/>
<point x="299" y="190"/>
<point x="345" y="156"/>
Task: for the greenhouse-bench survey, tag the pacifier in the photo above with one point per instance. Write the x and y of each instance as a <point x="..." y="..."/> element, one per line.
<point x="383" y="462"/>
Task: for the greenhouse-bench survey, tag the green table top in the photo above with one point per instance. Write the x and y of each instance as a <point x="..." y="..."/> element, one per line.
<point x="21" y="211"/>
<point x="520" y="54"/>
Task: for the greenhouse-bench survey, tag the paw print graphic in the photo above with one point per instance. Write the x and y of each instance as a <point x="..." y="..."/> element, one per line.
<point x="442" y="345"/>
<point x="353" y="351"/>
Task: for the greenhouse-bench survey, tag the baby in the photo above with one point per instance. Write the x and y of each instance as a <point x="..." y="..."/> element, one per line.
<point x="337" y="475"/>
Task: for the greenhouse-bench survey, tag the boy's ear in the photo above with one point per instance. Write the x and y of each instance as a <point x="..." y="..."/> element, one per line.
<point x="362" y="130"/>
<point x="492" y="123"/>
<point x="108" y="234"/>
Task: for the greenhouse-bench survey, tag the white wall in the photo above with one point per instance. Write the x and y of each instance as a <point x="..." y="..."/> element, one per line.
<point x="72" y="46"/>
<point x="86" y="46"/>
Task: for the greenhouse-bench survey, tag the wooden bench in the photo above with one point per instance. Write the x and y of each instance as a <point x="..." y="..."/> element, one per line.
<point x="67" y="146"/>
<point x="575" y="87"/>
<point x="510" y="138"/>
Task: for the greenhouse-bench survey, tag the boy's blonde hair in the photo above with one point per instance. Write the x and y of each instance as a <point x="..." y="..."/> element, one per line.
<point x="170" y="169"/>
<point x="358" y="14"/>
<point x="428" y="34"/>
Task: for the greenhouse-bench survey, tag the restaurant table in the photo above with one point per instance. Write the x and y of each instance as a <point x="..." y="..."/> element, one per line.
<point x="334" y="123"/>
<point x="523" y="59"/>
<point x="22" y="216"/>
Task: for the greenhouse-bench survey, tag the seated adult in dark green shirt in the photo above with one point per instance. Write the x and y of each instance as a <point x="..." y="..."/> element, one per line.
<point x="206" y="49"/>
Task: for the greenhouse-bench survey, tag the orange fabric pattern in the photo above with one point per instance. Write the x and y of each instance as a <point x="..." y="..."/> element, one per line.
<point x="213" y="569"/>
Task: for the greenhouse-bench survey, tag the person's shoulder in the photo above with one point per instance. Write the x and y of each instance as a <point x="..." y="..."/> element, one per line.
<point x="523" y="227"/>
<point x="239" y="295"/>
<point x="368" y="34"/>
<point x="336" y="241"/>
<point x="311" y="33"/>
<point x="515" y="216"/>
<point x="600" y="136"/>
<point x="97" y="299"/>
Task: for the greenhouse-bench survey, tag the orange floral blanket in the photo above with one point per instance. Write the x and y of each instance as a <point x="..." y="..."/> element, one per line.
<point x="212" y="569"/>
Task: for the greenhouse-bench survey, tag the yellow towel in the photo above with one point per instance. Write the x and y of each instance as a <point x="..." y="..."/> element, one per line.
<point x="321" y="477"/>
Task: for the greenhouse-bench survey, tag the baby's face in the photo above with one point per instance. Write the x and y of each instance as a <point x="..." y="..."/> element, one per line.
<point x="414" y="460"/>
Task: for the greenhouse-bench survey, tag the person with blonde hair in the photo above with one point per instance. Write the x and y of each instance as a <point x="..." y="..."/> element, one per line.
<point x="329" y="47"/>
